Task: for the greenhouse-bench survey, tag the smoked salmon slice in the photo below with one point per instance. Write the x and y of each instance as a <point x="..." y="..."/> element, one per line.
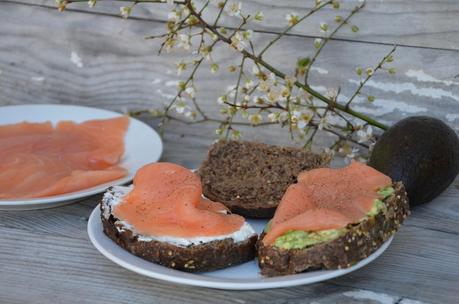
<point x="327" y="198"/>
<point x="39" y="160"/>
<point x="167" y="201"/>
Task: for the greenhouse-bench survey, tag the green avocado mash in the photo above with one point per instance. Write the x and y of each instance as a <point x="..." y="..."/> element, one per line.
<point x="386" y="192"/>
<point x="298" y="239"/>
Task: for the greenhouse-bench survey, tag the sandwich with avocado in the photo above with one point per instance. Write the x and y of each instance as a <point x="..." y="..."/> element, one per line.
<point x="331" y="219"/>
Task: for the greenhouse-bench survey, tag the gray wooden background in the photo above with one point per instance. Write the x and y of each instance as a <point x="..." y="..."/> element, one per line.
<point x="92" y="57"/>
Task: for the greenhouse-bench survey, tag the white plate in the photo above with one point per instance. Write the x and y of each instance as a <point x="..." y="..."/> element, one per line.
<point x="241" y="277"/>
<point x="142" y="146"/>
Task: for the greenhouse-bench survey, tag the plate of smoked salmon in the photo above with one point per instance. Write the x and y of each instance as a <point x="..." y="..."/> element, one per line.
<point x="328" y="222"/>
<point x="56" y="154"/>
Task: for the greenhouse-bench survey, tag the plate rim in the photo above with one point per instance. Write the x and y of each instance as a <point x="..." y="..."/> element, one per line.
<point x="185" y="278"/>
<point x="45" y="202"/>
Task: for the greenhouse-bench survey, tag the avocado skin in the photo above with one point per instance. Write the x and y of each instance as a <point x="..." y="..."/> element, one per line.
<point x="420" y="151"/>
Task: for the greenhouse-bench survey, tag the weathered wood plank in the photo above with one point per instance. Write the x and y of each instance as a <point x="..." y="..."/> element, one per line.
<point x="78" y="273"/>
<point x="119" y="70"/>
<point x="428" y="23"/>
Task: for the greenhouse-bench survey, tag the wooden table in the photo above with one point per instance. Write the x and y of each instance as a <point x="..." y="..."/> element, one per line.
<point x="92" y="57"/>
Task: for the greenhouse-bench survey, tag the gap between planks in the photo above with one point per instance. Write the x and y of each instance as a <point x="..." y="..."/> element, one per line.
<point x="232" y="28"/>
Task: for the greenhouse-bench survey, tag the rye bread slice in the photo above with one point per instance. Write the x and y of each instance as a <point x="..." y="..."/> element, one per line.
<point x="194" y="258"/>
<point x="251" y="178"/>
<point x="357" y="243"/>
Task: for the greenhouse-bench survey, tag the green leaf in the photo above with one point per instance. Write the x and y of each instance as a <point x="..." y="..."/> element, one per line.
<point x="355" y="28"/>
<point x="303" y="62"/>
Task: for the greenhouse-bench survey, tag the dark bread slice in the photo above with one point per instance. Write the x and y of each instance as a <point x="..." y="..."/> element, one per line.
<point x="195" y="258"/>
<point x="357" y="243"/>
<point x="251" y="178"/>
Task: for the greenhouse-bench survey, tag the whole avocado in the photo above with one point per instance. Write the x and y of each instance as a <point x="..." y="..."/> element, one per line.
<point x="420" y="151"/>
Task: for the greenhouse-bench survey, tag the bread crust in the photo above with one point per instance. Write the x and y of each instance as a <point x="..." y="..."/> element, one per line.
<point x="356" y="244"/>
<point x="250" y="178"/>
<point x="195" y="258"/>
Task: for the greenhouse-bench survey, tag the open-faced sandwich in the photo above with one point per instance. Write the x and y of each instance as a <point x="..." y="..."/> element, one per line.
<point x="331" y="218"/>
<point x="251" y="178"/>
<point x="163" y="218"/>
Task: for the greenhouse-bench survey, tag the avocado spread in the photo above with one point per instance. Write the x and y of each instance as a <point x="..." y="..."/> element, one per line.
<point x="298" y="239"/>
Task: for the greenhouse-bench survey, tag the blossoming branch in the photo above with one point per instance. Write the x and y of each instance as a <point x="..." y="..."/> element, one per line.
<point x="262" y="94"/>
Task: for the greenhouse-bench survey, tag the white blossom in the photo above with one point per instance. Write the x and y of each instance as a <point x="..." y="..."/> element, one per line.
<point x="365" y="135"/>
<point x="274" y="117"/>
<point x="92" y="3"/>
<point x="284" y="91"/>
<point x="173" y="16"/>
<point x="191" y="114"/>
<point x="292" y="18"/>
<point x="235" y="9"/>
<point x="125" y="11"/>
<point x="323" y="123"/>
<point x="181" y="66"/>
<point x="317" y="43"/>
<point x="180" y="106"/>
<point x="219" y="131"/>
<point x="302" y="117"/>
<point x="259" y="16"/>
<point x="290" y="80"/>
<point x="231" y="91"/>
<point x="190" y="91"/>
<point x="296" y="113"/>
<point x="236" y="134"/>
<point x="248" y="84"/>
<point x="283" y="116"/>
<point x="237" y="41"/>
<point x="184" y="41"/>
<point x="255" y="119"/>
<point x="247" y="35"/>
<point x="222" y="99"/>
<point x="331" y="93"/>
<point x="349" y="153"/>
<point x="274" y="95"/>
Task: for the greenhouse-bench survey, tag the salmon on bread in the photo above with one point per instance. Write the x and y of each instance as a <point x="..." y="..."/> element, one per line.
<point x="332" y="218"/>
<point x="164" y="218"/>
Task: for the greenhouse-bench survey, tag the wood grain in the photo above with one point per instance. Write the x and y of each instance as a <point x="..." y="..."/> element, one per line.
<point x="46" y="257"/>
<point x="427" y="23"/>
<point x="121" y="71"/>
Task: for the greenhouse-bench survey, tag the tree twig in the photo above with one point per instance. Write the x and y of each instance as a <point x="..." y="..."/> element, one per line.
<point x="369" y="75"/>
